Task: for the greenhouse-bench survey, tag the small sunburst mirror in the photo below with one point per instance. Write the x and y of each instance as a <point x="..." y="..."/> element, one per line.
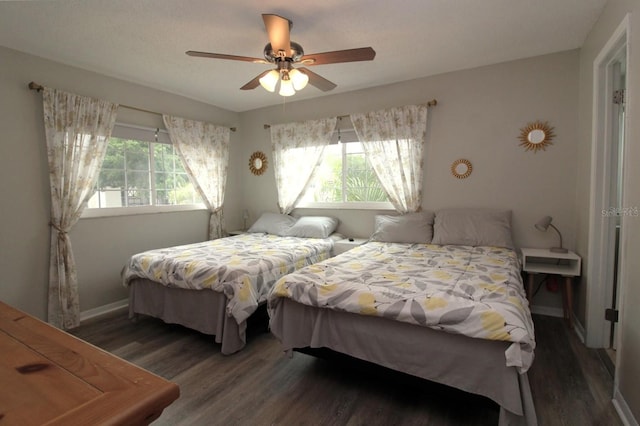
<point x="258" y="163"/>
<point x="535" y="136"/>
<point x="461" y="168"/>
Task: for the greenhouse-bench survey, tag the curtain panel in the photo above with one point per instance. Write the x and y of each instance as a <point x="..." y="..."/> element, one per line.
<point x="204" y="150"/>
<point x="297" y="151"/>
<point x="393" y="142"/>
<point x="77" y="131"/>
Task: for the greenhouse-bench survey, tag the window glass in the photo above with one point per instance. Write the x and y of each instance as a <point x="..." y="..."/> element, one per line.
<point x="361" y="184"/>
<point x="141" y="169"/>
<point x="344" y="177"/>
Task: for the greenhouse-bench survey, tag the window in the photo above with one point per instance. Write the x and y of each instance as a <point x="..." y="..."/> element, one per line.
<point x="344" y="178"/>
<point x="142" y="168"/>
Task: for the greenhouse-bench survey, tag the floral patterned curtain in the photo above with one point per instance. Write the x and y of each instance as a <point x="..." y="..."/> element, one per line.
<point x="297" y="151"/>
<point x="77" y="131"/>
<point x="393" y="141"/>
<point x="204" y="149"/>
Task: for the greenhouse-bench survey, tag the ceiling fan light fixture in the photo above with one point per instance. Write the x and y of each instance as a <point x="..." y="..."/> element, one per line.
<point x="299" y="79"/>
<point x="284" y="54"/>
<point x="286" y="87"/>
<point x="269" y="80"/>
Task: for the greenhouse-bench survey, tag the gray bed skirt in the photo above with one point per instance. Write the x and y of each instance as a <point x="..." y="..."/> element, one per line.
<point x="200" y="310"/>
<point x="472" y="365"/>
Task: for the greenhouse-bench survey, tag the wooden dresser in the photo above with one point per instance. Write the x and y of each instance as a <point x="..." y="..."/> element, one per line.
<point x="50" y="377"/>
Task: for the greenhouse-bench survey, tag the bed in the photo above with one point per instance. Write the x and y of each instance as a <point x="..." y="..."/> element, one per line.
<point x="447" y="305"/>
<point x="215" y="286"/>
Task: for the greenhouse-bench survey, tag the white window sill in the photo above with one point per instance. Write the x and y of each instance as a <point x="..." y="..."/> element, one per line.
<point x="130" y="211"/>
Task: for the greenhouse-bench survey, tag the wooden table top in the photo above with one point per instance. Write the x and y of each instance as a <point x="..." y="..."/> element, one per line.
<point x="50" y="377"/>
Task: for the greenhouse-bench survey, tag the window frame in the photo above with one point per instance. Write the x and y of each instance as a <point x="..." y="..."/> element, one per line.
<point x="152" y="136"/>
<point x="344" y="134"/>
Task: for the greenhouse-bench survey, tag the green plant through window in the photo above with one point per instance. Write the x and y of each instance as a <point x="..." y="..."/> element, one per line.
<point x="140" y="173"/>
<point x="344" y="176"/>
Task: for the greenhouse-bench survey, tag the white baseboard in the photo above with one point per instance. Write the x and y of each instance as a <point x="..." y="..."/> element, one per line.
<point x="103" y="310"/>
<point x="623" y="409"/>
<point x="547" y="310"/>
<point x="579" y="330"/>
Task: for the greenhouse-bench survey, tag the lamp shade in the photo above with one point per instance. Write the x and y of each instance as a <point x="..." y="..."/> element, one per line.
<point x="543" y="224"/>
<point x="299" y="79"/>
<point x="286" y="88"/>
<point x="269" y="80"/>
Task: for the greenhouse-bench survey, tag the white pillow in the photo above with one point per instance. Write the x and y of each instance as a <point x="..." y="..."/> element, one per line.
<point x="272" y="223"/>
<point x="473" y="227"/>
<point x="406" y="228"/>
<point x="313" y="227"/>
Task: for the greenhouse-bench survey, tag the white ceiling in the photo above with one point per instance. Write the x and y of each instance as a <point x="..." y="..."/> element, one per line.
<point x="144" y="41"/>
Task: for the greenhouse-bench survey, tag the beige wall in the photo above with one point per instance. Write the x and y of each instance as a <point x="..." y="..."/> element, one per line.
<point x="628" y="369"/>
<point x="478" y="117"/>
<point x="100" y="245"/>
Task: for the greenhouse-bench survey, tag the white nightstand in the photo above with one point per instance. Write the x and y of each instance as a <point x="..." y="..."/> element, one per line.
<point x="346" y="244"/>
<point x="544" y="261"/>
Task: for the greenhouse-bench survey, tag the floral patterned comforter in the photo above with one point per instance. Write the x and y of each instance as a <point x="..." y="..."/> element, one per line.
<point x="244" y="267"/>
<point x="474" y="291"/>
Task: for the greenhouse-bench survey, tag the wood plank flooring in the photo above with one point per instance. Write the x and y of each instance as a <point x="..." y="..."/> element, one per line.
<point x="261" y="386"/>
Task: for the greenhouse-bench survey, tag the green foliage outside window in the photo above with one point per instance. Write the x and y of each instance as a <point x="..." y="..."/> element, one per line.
<point x="126" y="171"/>
<point x="362" y="184"/>
<point x="360" y="181"/>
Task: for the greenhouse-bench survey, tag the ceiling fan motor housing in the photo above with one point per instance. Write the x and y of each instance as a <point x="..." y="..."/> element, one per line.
<point x="295" y="54"/>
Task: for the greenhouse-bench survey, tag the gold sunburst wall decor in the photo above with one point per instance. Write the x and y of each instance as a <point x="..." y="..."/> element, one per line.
<point x="535" y="136"/>
<point x="258" y="163"/>
<point x="461" y="168"/>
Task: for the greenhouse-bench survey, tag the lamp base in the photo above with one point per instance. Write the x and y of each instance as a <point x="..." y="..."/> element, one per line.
<point x="558" y="250"/>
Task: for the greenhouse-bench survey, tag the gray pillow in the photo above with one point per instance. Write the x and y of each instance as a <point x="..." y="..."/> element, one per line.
<point x="272" y="223"/>
<point x="406" y="228"/>
<point x="313" y="227"/>
<point x="473" y="227"/>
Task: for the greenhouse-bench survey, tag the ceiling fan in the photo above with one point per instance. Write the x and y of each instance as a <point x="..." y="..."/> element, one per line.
<point x="284" y="53"/>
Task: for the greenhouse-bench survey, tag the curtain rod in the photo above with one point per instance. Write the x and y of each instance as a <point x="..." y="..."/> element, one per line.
<point x="37" y="87"/>
<point x="430" y="104"/>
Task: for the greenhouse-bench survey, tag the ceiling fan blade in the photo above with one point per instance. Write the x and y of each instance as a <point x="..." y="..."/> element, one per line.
<point x="337" y="56"/>
<point x="278" y="29"/>
<point x="255" y="82"/>
<point x="223" y="56"/>
<point x="317" y="80"/>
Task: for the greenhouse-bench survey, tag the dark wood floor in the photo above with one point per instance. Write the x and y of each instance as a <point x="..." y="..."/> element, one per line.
<point x="260" y="386"/>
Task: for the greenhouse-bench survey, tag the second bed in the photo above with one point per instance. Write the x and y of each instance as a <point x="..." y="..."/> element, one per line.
<point x="450" y="313"/>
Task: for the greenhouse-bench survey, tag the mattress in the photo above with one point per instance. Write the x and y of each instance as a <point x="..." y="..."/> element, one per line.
<point x="473" y="291"/>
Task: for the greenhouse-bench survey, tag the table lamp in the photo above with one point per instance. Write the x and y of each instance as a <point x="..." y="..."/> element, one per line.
<point x="544" y="224"/>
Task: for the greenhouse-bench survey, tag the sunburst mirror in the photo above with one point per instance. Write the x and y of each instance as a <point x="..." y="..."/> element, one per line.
<point x="536" y="135"/>
<point x="258" y="163"/>
<point x="461" y="168"/>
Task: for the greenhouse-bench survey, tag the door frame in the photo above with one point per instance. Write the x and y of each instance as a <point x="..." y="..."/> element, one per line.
<point x="599" y="266"/>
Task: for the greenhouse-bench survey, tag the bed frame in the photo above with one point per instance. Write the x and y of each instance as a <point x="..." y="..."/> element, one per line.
<point x="472" y="365"/>
<point x="200" y="310"/>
